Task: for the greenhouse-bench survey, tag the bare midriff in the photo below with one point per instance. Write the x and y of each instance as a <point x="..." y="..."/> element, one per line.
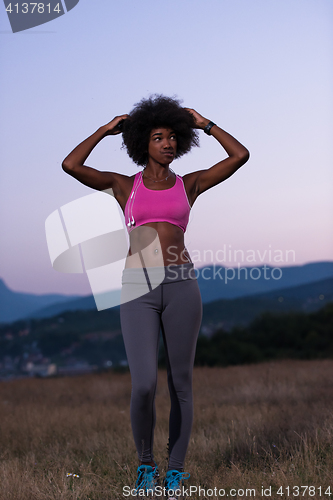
<point x="156" y="244"/>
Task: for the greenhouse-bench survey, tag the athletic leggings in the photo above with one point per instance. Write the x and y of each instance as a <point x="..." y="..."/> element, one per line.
<point x="175" y="307"/>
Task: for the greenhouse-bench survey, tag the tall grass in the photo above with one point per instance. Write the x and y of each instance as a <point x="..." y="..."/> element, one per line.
<point x="259" y="425"/>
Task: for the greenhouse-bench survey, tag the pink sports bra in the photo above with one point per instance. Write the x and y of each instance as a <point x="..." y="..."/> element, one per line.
<point x="150" y="205"/>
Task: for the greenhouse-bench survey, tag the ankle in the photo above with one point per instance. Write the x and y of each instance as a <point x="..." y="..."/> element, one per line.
<point x="151" y="463"/>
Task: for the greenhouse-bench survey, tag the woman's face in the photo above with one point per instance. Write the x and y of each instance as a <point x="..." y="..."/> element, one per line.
<point x="162" y="146"/>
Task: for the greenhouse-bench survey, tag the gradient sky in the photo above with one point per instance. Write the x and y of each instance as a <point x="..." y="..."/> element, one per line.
<point x="262" y="70"/>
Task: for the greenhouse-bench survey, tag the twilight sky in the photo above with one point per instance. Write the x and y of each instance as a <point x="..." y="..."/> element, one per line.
<point x="260" y="70"/>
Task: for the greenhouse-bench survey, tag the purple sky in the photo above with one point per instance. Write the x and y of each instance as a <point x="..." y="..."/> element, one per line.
<point x="260" y="70"/>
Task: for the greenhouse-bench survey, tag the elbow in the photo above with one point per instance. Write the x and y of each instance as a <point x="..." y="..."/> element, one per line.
<point x="66" y="166"/>
<point x="244" y="157"/>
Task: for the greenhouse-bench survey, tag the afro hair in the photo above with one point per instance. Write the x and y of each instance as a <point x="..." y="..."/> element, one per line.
<point x="155" y="112"/>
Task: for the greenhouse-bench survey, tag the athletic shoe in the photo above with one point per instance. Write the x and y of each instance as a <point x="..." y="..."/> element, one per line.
<point x="147" y="479"/>
<point x="174" y="481"/>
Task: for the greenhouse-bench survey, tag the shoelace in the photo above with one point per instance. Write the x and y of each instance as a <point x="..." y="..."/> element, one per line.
<point x="146" y="478"/>
<point x="173" y="480"/>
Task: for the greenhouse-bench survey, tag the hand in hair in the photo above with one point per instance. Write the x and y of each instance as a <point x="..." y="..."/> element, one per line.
<point x="114" y="127"/>
<point x="200" y="121"/>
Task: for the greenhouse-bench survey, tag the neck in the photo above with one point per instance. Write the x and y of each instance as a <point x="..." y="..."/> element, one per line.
<point x="156" y="170"/>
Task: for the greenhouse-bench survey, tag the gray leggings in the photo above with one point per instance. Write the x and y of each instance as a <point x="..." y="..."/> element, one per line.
<point x="175" y="307"/>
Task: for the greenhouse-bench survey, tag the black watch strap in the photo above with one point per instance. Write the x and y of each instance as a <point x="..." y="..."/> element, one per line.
<point x="208" y="127"/>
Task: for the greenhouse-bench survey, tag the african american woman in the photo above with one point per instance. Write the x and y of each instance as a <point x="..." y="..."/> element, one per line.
<point x="159" y="285"/>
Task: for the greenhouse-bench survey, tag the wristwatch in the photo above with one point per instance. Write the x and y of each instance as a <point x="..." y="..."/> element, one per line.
<point x="208" y="127"/>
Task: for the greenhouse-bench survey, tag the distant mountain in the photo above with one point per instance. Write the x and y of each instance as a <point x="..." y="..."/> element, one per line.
<point x="227" y="313"/>
<point x="252" y="281"/>
<point x="215" y="282"/>
<point x="77" y="340"/>
<point x="16" y="305"/>
<point x="317" y="292"/>
<point x="77" y="304"/>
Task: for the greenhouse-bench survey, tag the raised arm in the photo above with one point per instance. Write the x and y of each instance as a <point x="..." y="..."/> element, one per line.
<point x="73" y="164"/>
<point x="202" y="180"/>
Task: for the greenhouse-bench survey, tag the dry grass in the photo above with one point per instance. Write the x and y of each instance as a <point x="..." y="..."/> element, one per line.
<point x="268" y="424"/>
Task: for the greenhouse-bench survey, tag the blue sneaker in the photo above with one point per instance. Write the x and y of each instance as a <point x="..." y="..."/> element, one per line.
<point x="173" y="483"/>
<point x="147" y="479"/>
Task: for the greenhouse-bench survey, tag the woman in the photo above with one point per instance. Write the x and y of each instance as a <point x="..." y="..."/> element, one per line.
<point x="160" y="289"/>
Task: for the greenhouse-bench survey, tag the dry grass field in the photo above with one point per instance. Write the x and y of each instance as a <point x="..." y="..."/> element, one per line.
<point x="266" y="425"/>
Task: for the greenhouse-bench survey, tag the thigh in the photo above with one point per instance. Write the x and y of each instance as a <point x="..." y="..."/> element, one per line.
<point x="140" y="325"/>
<point x="181" y="320"/>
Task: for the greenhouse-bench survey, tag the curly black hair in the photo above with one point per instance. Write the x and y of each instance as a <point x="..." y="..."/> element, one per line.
<point x="155" y="112"/>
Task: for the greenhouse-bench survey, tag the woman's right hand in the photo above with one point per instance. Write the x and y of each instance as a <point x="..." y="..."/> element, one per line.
<point x="73" y="164"/>
<point x="113" y="127"/>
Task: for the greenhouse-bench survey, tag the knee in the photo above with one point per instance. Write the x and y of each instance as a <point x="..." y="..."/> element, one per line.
<point x="180" y="383"/>
<point x="144" y="392"/>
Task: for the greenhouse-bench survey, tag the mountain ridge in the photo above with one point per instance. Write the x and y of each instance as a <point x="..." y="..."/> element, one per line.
<point x="19" y="305"/>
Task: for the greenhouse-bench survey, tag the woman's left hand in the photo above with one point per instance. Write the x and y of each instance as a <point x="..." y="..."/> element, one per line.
<point x="200" y="121"/>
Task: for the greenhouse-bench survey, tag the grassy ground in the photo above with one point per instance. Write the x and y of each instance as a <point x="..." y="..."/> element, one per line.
<point x="266" y="425"/>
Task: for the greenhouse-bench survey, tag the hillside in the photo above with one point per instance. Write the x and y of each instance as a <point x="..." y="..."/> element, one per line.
<point x="215" y="282"/>
<point x="303" y="298"/>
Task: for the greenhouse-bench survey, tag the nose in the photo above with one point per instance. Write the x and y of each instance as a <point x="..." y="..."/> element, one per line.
<point x="167" y="144"/>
